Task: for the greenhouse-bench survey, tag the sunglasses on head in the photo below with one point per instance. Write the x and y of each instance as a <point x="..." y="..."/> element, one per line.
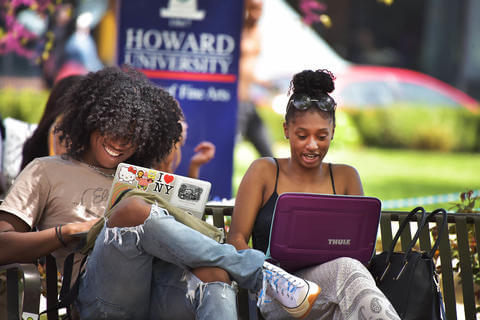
<point x="301" y="101"/>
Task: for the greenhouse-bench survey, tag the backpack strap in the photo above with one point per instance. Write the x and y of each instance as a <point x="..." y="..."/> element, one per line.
<point x="67" y="294"/>
<point x="120" y="196"/>
<point x="52" y="286"/>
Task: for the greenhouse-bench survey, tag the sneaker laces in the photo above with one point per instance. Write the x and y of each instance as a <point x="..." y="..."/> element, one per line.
<point x="262" y="296"/>
<point x="275" y="278"/>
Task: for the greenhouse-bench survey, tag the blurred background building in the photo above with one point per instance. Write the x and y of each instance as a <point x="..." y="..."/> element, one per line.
<point x="436" y="37"/>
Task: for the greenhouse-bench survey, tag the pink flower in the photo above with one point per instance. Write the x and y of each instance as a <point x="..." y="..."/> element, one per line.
<point x="310" y="11"/>
<point x="16" y="37"/>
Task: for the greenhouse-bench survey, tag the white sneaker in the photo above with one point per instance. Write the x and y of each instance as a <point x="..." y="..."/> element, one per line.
<point x="295" y="294"/>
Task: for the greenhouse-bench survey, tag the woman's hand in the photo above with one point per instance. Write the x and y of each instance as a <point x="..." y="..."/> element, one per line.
<point x="72" y="228"/>
<point x="204" y="152"/>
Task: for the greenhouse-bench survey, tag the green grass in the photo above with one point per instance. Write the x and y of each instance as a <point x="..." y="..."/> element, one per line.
<point x="392" y="174"/>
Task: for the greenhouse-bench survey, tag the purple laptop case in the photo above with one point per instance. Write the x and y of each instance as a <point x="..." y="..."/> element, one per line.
<point x="310" y="229"/>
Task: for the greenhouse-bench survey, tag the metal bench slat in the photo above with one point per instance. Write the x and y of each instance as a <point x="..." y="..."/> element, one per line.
<point x="476" y="223"/>
<point x="406" y="236"/>
<point x="12" y="293"/>
<point x="425" y="244"/>
<point x="447" y="274"/>
<point x="218" y="219"/>
<point x="466" y="267"/>
<point x="386" y="231"/>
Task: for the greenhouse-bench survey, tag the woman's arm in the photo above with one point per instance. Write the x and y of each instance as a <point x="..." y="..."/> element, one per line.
<point x="249" y="200"/>
<point x="18" y="245"/>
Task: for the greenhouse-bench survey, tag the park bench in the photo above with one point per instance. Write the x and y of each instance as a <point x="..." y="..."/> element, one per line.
<point x="462" y="223"/>
<point x="452" y="292"/>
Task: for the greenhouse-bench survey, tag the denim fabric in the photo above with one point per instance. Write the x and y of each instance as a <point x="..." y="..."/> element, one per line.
<point x="177" y="293"/>
<point x="118" y="281"/>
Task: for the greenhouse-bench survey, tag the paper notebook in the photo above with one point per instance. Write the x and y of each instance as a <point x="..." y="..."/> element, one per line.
<point x="310" y="229"/>
<point x="185" y="193"/>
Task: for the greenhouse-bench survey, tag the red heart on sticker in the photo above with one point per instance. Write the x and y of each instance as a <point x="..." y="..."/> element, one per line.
<point x="168" y="178"/>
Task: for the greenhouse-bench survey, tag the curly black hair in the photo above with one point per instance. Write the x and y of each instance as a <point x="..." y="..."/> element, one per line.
<point x="37" y="145"/>
<point x="123" y="104"/>
<point x="315" y="84"/>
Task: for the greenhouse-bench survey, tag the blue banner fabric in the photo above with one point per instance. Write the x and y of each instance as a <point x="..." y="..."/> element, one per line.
<point x="190" y="48"/>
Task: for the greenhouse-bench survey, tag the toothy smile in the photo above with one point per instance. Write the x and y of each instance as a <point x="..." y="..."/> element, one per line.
<point x="310" y="156"/>
<point x="111" y="152"/>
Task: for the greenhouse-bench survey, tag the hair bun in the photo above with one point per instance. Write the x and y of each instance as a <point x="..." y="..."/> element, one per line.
<point x="312" y="82"/>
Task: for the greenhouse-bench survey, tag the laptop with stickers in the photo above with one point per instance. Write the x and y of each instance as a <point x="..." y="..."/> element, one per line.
<point x="310" y="229"/>
<point x="185" y="193"/>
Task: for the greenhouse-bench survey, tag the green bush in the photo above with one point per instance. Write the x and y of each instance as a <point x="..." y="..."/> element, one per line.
<point x="26" y="105"/>
<point x="418" y="127"/>
<point x="346" y="133"/>
<point x="274" y="123"/>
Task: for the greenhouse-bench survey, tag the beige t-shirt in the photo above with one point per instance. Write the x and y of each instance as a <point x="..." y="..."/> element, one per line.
<point x="57" y="190"/>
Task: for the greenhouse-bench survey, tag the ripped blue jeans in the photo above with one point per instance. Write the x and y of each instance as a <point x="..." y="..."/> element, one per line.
<point x="143" y="272"/>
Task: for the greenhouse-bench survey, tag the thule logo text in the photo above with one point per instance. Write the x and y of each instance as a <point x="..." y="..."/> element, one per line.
<point x="339" y="242"/>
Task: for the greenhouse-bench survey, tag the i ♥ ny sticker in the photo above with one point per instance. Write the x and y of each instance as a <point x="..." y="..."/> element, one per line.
<point x="168" y="178"/>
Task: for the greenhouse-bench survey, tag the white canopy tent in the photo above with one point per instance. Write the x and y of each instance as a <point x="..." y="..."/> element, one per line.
<point x="290" y="46"/>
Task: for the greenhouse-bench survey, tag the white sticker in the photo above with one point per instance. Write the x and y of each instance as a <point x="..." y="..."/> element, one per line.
<point x="29" y="316"/>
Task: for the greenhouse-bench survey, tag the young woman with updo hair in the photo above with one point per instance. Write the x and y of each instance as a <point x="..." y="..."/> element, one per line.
<point x="348" y="291"/>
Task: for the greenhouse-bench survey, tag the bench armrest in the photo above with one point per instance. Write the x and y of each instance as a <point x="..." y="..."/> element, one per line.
<point x="31" y="290"/>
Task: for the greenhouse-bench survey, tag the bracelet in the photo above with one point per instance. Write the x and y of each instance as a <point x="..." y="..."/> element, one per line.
<point x="58" y="232"/>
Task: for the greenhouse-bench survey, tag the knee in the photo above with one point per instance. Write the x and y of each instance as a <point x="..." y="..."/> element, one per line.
<point x="350" y="263"/>
<point x="129" y="212"/>
<point x="350" y="266"/>
<point x="211" y="274"/>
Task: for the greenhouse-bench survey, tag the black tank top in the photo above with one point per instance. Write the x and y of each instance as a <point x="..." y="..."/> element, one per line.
<point x="263" y="222"/>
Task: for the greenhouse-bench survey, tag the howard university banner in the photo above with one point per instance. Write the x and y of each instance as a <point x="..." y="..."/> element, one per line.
<point x="190" y="48"/>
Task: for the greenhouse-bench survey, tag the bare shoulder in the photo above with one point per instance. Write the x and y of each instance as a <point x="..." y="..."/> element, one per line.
<point x="344" y="170"/>
<point x="263" y="166"/>
<point x="347" y="180"/>
<point x="260" y="175"/>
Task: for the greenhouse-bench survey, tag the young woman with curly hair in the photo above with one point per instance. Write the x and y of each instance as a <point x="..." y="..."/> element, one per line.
<point x="348" y="289"/>
<point x="144" y="264"/>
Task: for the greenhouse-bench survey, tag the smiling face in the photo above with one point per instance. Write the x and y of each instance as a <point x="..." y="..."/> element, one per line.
<point x="107" y="153"/>
<point x="310" y="134"/>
